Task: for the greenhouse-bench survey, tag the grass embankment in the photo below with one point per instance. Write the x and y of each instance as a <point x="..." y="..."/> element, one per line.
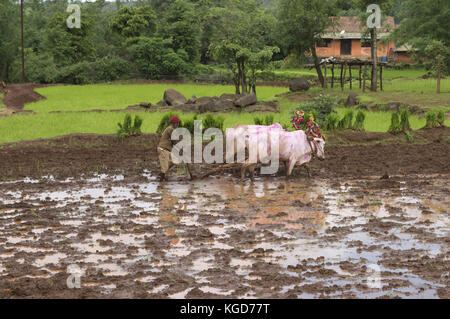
<point x="399" y="85"/>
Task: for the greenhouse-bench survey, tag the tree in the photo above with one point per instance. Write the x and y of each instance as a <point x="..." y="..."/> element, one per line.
<point x="9" y="39"/>
<point x="154" y="58"/>
<point x="386" y="7"/>
<point x="301" y="24"/>
<point x="181" y="25"/>
<point x="134" y="22"/>
<point x="240" y="32"/>
<point x="437" y="52"/>
<point x="69" y="46"/>
<point x="421" y="23"/>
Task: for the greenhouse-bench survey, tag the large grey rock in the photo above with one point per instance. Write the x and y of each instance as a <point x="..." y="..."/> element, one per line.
<point x="299" y="84"/>
<point x="174" y="98"/>
<point x="352" y="99"/>
<point x="204" y="100"/>
<point x="216" y="106"/>
<point x="230" y="97"/>
<point x="192" y="100"/>
<point x="246" y="100"/>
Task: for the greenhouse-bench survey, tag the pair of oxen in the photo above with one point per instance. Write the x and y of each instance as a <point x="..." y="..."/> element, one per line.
<point x="263" y="142"/>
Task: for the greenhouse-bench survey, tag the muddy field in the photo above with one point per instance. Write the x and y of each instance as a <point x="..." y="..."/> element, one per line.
<point x="372" y="222"/>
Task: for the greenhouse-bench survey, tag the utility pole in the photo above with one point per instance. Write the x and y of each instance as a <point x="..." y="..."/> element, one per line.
<point x="21" y="30"/>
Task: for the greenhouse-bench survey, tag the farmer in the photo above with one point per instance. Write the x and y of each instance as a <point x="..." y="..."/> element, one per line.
<point x="165" y="148"/>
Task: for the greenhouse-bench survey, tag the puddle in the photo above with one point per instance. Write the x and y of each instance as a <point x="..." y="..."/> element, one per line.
<point x="308" y="238"/>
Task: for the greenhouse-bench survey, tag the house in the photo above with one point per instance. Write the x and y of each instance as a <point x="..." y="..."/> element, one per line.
<point x="345" y="39"/>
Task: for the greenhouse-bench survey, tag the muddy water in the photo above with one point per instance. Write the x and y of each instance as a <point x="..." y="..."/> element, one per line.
<point x="223" y="238"/>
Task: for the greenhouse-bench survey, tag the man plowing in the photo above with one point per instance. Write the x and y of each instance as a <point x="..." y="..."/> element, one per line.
<point x="165" y="148"/>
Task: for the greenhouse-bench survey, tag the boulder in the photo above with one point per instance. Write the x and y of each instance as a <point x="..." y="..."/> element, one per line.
<point x="300" y="84"/>
<point x="246" y="100"/>
<point x="393" y="106"/>
<point x="192" y="100"/>
<point x="186" y="107"/>
<point x="204" y="100"/>
<point x="216" y="106"/>
<point x="174" y="98"/>
<point x="230" y="97"/>
<point x="352" y="99"/>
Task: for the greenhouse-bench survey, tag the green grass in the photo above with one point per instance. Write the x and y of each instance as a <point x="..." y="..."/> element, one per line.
<point x="117" y="96"/>
<point x="113" y="97"/>
<point x="1" y="102"/>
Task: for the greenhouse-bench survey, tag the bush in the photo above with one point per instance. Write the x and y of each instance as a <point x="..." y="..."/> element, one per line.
<point x="347" y="120"/>
<point x="359" y="121"/>
<point x="189" y="124"/>
<point x="267" y="120"/>
<point x="331" y="122"/>
<point x="395" y="123"/>
<point x="321" y="106"/>
<point x="431" y="118"/>
<point x="441" y="117"/>
<point x="164" y="123"/>
<point x="128" y="129"/>
<point x="110" y="68"/>
<point x="404" y="120"/>
<point x="211" y="121"/>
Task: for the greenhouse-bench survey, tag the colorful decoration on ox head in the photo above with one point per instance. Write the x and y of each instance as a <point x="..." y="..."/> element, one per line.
<point x="313" y="128"/>
<point x="298" y="119"/>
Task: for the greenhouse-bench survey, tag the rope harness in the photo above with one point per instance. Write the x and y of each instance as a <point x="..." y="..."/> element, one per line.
<point x="314" y="150"/>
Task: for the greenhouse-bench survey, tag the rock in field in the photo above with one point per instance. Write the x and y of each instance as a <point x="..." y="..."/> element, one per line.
<point x="352" y="99"/>
<point x="174" y="98"/>
<point x="299" y="84"/>
<point x="246" y="100"/>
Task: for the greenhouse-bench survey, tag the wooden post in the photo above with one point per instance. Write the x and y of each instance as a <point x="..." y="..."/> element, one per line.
<point x="342" y="71"/>
<point x="345" y="71"/>
<point x="350" y="74"/>
<point x="332" y="75"/>
<point x="325" y="75"/>
<point x="381" y="77"/>
<point x="359" y="77"/>
<point x="364" y="78"/>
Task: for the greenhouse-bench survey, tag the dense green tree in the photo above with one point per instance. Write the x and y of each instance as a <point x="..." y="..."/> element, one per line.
<point x="73" y="45"/>
<point x="10" y="37"/>
<point x="181" y="25"/>
<point x="438" y="53"/>
<point x="134" y="22"/>
<point x="154" y="58"/>
<point x="422" y="22"/>
<point x="301" y="24"/>
<point x="240" y="32"/>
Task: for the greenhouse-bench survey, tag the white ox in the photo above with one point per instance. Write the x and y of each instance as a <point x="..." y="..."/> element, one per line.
<point x="295" y="148"/>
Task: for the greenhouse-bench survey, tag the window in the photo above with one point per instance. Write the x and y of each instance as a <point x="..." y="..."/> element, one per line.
<point x="324" y="43"/>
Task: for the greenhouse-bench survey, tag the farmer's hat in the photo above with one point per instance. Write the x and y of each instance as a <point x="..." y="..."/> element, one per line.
<point x="174" y="119"/>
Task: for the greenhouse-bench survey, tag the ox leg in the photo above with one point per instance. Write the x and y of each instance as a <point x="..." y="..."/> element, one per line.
<point x="243" y="169"/>
<point x="251" y="170"/>
<point x="308" y="170"/>
<point x="292" y="161"/>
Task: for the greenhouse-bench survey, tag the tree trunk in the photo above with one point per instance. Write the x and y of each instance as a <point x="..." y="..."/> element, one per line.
<point x="438" y="90"/>
<point x="373" y="84"/>
<point x="317" y="65"/>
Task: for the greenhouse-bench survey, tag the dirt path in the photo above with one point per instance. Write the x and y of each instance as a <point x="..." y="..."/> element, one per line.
<point x="17" y="95"/>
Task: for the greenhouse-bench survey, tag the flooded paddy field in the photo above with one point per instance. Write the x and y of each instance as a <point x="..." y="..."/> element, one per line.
<point x="120" y="237"/>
